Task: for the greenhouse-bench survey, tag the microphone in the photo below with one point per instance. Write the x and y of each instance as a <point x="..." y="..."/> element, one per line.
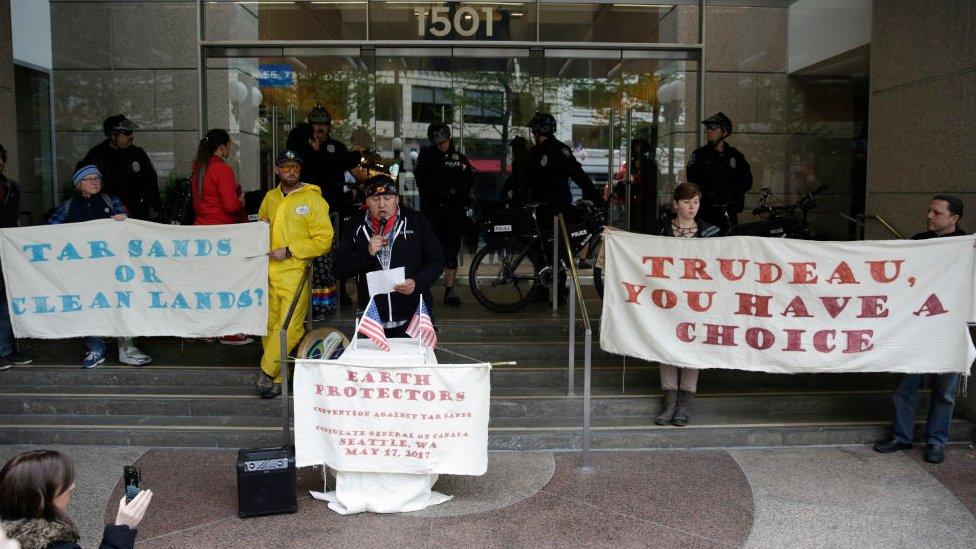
<point x="382" y="225"/>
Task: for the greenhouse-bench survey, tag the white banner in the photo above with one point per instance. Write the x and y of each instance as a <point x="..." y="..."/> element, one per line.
<point x="791" y="306"/>
<point x="430" y="419"/>
<point x="136" y="278"/>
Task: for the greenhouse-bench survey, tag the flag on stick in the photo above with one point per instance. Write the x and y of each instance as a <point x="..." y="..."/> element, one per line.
<point x="372" y="327"/>
<point x="421" y="327"/>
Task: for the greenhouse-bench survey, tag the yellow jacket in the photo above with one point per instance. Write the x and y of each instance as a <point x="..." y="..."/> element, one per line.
<point x="300" y="222"/>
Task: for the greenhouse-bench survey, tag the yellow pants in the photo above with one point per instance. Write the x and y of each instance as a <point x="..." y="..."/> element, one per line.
<point x="279" y="300"/>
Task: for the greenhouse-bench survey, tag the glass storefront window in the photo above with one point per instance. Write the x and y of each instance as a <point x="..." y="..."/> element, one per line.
<point x="285" y="20"/>
<point x="453" y="20"/>
<point x="635" y="22"/>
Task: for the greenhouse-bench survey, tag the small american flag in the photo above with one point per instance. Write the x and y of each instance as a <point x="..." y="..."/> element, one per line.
<point x="371" y="327"/>
<point x="421" y="327"/>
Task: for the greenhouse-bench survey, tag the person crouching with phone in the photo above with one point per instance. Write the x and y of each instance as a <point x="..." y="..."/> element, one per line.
<point x="35" y="488"/>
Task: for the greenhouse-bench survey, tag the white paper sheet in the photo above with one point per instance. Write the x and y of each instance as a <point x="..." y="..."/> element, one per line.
<point x="383" y="281"/>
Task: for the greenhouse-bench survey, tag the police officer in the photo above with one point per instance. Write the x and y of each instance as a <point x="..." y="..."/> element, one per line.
<point x="552" y="165"/>
<point x="722" y="174"/>
<point x="334" y="160"/>
<point x="126" y="169"/>
<point x="445" y="178"/>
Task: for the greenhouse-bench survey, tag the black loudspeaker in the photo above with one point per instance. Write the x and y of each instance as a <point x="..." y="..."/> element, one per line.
<point x="266" y="481"/>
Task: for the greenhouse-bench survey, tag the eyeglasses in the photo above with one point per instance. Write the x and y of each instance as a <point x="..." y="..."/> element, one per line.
<point x="289" y="167"/>
<point x="91" y="179"/>
<point x="711" y="127"/>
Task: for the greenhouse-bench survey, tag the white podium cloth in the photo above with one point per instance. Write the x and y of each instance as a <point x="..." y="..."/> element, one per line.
<point x="383" y="492"/>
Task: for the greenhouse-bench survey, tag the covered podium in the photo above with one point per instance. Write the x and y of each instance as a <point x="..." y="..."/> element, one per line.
<point x="389" y="422"/>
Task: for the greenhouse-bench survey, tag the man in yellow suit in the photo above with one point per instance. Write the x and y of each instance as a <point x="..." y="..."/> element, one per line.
<point x="300" y="231"/>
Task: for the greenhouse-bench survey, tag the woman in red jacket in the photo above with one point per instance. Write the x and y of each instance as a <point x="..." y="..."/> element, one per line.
<point x="217" y="198"/>
<point x="216" y="194"/>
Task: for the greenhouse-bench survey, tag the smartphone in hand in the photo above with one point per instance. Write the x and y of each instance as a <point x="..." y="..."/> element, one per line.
<point x="131" y="479"/>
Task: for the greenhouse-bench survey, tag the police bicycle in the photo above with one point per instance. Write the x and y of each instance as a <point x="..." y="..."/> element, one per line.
<point x="514" y="267"/>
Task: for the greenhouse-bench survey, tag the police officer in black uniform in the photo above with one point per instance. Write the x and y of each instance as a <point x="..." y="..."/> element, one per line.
<point x="722" y="174"/>
<point x="552" y="165"/>
<point x="445" y="178"/>
<point x="334" y="160"/>
<point x="126" y="169"/>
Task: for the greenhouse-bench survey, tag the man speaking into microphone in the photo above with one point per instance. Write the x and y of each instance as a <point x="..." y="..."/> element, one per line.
<point x="387" y="237"/>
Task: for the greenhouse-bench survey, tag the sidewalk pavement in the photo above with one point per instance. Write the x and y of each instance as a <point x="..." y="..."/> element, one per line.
<point x="777" y="497"/>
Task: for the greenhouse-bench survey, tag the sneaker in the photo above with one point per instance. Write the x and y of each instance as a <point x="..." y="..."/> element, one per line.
<point x="265" y="384"/>
<point x="934" y="453"/>
<point x="92" y="359"/>
<point x="14" y="359"/>
<point x="132" y="356"/>
<point x="451" y="297"/>
<point x="236" y="339"/>
<point x="274" y="392"/>
<point x="890" y="445"/>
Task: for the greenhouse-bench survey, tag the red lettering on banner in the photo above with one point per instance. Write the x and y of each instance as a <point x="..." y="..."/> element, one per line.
<point x="683" y="331"/>
<point x="694" y="301"/>
<point x="754" y="305"/>
<point x="459" y="396"/>
<point x="793" y="341"/>
<point x="804" y="273"/>
<point x="351" y="376"/>
<point x="694" y="269"/>
<point x="858" y="341"/>
<point x="760" y="338"/>
<point x="797" y="309"/>
<point x="665" y="299"/>
<point x="880" y="274"/>
<point x="823" y="341"/>
<point x="318" y="388"/>
<point x="833" y="305"/>
<point x="718" y="334"/>
<point x="725" y="266"/>
<point x="633" y="291"/>
<point x="842" y="273"/>
<point x="873" y="306"/>
<point x="657" y="265"/>
<point x="931" y="307"/>
<point x="333" y="391"/>
<point x="769" y="273"/>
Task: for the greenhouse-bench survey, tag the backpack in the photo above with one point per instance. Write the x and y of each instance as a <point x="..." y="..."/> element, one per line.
<point x="179" y="206"/>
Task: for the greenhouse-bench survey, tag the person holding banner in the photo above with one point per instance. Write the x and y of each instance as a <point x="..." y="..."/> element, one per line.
<point x="942" y="219"/>
<point x="680" y="384"/>
<point x="300" y="231"/>
<point x="387" y="237"/>
<point x="89" y="204"/>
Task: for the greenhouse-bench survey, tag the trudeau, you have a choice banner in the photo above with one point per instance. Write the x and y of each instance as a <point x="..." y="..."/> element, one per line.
<point x="791" y="306"/>
<point x="136" y="278"/>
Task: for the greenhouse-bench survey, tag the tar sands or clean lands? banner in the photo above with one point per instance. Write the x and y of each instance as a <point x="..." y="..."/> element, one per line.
<point x="136" y="278"/>
<point x="791" y="306"/>
<point x="421" y="420"/>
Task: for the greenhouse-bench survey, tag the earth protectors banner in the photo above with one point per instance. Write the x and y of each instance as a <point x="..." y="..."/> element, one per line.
<point x="791" y="306"/>
<point x="136" y="278"/>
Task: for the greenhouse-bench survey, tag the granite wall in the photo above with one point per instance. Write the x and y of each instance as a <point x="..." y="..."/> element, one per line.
<point x="8" y="112"/>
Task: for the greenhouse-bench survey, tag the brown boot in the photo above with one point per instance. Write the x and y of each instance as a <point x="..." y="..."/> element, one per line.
<point x="667" y="412"/>
<point x="685" y="398"/>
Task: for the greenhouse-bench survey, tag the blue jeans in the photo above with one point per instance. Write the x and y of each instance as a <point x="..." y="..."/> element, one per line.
<point x="95" y="344"/>
<point x="6" y="332"/>
<point x="941" y="402"/>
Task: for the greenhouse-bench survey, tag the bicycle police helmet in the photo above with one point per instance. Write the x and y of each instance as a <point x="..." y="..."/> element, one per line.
<point x="438" y="132"/>
<point x="543" y="123"/>
<point x="117" y="123"/>
<point x="720" y="120"/>
<point x="318" y="115"/>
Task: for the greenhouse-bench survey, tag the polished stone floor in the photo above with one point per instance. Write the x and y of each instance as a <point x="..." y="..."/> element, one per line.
<point x="778" y="497"/>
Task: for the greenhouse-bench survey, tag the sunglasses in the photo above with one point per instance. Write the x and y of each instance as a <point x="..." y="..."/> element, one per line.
<point x="711" y="127"/>
<point x="289" y="168"/>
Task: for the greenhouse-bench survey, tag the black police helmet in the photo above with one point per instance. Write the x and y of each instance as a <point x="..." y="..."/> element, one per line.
<point x="543" y="123"/>
<point x="318" y="115"/>
<point x="117" y="123"/>
<point x="438" y="132"/>
<point x="720" y="120"/>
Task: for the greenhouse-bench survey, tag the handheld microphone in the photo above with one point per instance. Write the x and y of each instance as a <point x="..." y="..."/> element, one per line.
<point x="382" y="225"/>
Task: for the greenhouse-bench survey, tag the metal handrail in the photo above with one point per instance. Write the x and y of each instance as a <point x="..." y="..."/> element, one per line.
<point x="284" y="360"/>
<point x="574" y="291"/>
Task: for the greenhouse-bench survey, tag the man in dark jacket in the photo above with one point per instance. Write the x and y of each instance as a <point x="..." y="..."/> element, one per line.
<point x="942" y="220"/>
<point x="722" y="174"/>
<point x="9" y="210"/>
<point x="334" y="159"/>
<point x="387" y="237"/>
<point x="551" y="166"/>
<point x="445" y="178"/>
<point x="127" y="171"/>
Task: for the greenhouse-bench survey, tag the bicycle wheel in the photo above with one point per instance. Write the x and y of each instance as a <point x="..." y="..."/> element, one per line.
<point x="508" y="282"/>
